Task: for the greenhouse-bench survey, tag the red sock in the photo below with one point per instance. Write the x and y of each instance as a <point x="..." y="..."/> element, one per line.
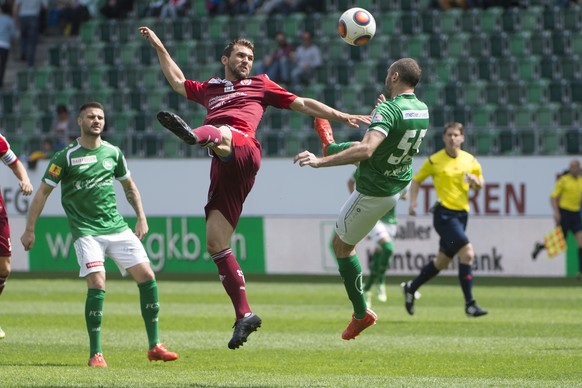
<point x="208" y="134"/>
<point x="233" y="281"/>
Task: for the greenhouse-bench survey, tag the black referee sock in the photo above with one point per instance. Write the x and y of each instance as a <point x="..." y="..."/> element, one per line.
<point x="427" y="272"/>
<point x="466" y="279"/>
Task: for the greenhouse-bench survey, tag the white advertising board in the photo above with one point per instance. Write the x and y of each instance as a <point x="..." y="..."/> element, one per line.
<point x="514" y="186"/>
<point x="502" y="247"/>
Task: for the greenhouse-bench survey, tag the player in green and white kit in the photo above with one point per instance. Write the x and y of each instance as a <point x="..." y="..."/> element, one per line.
<point x="86" y="170"/>
<point x="383" y="176"/>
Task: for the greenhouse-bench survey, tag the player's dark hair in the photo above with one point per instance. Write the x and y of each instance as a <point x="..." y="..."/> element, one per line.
<point x="409" y="71"/>
<point x="454" y="124"/>
<point x="91" y="104"/>
<point x="240" y="41"/>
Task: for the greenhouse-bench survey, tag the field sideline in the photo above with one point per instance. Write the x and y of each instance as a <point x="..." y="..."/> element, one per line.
<point x="532" y="336"/>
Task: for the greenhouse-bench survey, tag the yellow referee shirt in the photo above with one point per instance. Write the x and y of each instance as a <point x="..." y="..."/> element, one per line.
<point x="448" y="176"/>
<point x="569" y="189"/>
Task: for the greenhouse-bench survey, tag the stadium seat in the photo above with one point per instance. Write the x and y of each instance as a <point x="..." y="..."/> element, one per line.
<point x="498" y="44"/>
<point x="43" y="77"/>
<point x="474" y="92"/>
<point x="439" y="115"/>
<point x="546" y="115"/>
<point x="524" y="116"/>
<point x="560" y="91"/>
<point x="552" y="18"/>
<point x="446" y="69"/>
<point x="431" y="93"/>
<point x="537" y="91"/>
<point x="507" y="141"/>
<point x="496" y="92"/>
<point x="470" y="20"/>
<point x="9" y="101"/>
<point x="479" y="45"/>
<point x="504" y="116"/>
<point x="569" y="115"/>
<point x="390" y="23"/>
<point x="365" y="71"/>
<point x="541" y="43"/>
<point x="485" y="141"/>
<point x="507" y="69"/>
<point x="576" y="43"/>
<point x="527" y="140"/>
<point x="516" y="94"/>
<point x="417" y="46"/>
<point x="487" y="68"/>
<point x="573" y="17"/>
<point x="552" y="141"/>
<point x="437" y="46"/>
<point x="449" y="22"/>
<point x="89" y="30"/>
<point x="430" y="21"/>
<point x="520" y="44"/>
<point x="529" y="68"/>
<point x="453" y="93"/>
<point x="293" y="25"/>
<point x="570" y="67"/>
<point x="350" y="98"/>
<point x="573" y="141"/>
<point x="561" y="41"/>
<point x="462" y="114"/>
<point x="491" y="19"/>
<point x="294" y="142"/>
<point x="530" y="18"/>
<point x="510" y="19"/>
<point x="577" y="91"/>
<point x="466" y="70"/>
<point x="410" y="22"/>
<point x="457" y="45"/>
<point x="483" y="115"/>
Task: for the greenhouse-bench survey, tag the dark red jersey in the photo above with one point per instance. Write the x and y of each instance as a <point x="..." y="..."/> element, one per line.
<point x="240" y="104"/>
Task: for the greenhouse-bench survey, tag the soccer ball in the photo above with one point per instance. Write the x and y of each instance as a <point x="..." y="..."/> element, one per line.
<point x="356" y="26"/>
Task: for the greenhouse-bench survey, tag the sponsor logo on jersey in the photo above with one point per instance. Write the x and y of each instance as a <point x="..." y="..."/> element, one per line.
<point x="415" y="114"/>
<point x="108" y="164"/>
<point x="228" y="87"/>
<point x="54" y="170"/>
<point x="84" y="160"/>
<point x="93" y="264"/>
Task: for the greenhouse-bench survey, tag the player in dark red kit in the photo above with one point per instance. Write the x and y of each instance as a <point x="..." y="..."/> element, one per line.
<point x="235" y="106"/>
<point x="11" y="160"/>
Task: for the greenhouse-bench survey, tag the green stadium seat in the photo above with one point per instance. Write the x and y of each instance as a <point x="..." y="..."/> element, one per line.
<point x="577" y="91"/>
<point x="516" y="94"/>
<point x="30" y="123"/>
<point x="569" y="115"/>
<point x="487" y="68"/>
<point x="329" y="24"/>
<point x="299" y="122"/>
<point x="24" y="79"/>
<point x="561" y="41"/>
<point x="390" y="23"/>
<point x="550" y="67"/>
<point x="552" y="18"/>
<point x="457" y="45"/>
<point x="507" y="140"/>
<point x="184" y="51"/>
<point x="527" y="140"/>
<point x="547" y="115"/>
<point x="576" y="43"/>
<point x="538" y="91"/>
<point x="483" y="115"/>
<point x="520" y="44"/>
<point x="27" y="102"/>
<point x="524" y="116"/>
<point x="570" y="67"/>
<point x="430" y="21"/>
<point x="491" y="19"/>
<point x="485" y="141"/>
<point x="573" y="18"/>
<point x="437" y="46"/>
<point x="466" y="70"/>
<point x="431" y="93"/>
<point x="182" y="29"/>
<point x="573" y="141"/>
<point x="365" y="71"/>
<point x="446" y="69"/>
<point x="417" y="46"/>
<point x="504" y="116"/>
<point x="294" y="24"/>
<point x="439" y="115"/>
<point x="9" y="101"/>
<point x="470" y="22"/>
<point x="560" y="91"/>
<point x="530" y="18"/>
<point x="510" y="19"/>
<point x="350" y="99"/>
<point x="474" y="92"/>
<point x="496" y="92"/>
<point x="89" y="30"/>
<point x="453" y="93"/>
<point x="314" y="90"/>
<point x="294" y="141"/>
<point x="529" y="68"/>
<point x="108" y="30"/>
<point x="541" y="43"/>
<point x="506" y="69"/>
<point x="449" y="22"/>
<point x="410" y="23"/>
<point x="479" y="45"/>
<point x="45" y="100"/>
<point x="498" y="44"/>
<point x="461" y="113"/>
<point x="552" y="141"/>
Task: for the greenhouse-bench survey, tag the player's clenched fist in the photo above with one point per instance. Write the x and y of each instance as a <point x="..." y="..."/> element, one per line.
<point x="306" y="158"/>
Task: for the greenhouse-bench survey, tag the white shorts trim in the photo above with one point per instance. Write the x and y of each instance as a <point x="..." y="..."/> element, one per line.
<point x="360" y="214"/>
<point x="123" y="248"/>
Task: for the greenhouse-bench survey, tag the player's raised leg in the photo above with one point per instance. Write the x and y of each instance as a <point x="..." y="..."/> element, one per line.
<point x="205" y="136"/>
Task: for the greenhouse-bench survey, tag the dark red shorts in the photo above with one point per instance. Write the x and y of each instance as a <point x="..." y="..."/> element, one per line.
<point x="232" y="180"/>
<point x="5" y="249"/>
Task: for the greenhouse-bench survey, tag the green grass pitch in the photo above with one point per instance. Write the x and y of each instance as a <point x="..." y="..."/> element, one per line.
<point x="532" y="336"/>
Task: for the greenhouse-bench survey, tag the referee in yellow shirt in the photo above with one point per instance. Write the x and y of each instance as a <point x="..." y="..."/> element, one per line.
<point x="566" y="199"/>
<point x="453" y="172"/>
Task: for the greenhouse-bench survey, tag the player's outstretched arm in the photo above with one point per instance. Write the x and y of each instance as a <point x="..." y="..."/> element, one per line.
<point x="134" y="198"/>
<point x="171" y="71"/>
<point x="38" y="202"/>
<point x="314" y="108"/>
<point x="20" y="173"/>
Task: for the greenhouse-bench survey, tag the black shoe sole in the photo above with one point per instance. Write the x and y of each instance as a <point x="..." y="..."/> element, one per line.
<point x="236" y="343"/>
<point x="177" y="126"/>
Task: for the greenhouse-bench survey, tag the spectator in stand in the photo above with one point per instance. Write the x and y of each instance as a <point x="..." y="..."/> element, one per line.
<point x="306" y="59"/>
<point x="116" y="9"/>
<point x="167" y="8"/>
<point x="276" y="65"/>
<point x="72" y="16"/>
<point x="62" y="127"/>
<point x="26" y="15"/>
<point x="7" y="33"/>
<point x="235" y="7"/>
